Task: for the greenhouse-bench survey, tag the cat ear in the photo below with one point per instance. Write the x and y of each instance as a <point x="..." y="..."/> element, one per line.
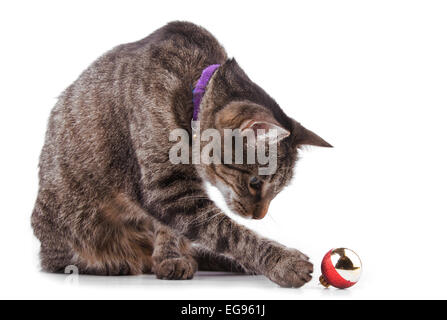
<point x="303" y="136"/>
<point x="264" y="130"/>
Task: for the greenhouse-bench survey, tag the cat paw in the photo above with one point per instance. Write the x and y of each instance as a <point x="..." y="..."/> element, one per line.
<point x="291" y="269"/>
<point x="175" y="269"/>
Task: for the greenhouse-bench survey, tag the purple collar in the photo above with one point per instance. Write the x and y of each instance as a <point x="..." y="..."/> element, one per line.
<point x="199" y="90"/>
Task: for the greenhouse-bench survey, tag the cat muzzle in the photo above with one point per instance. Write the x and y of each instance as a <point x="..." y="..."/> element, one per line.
<point x="261" y="210"/>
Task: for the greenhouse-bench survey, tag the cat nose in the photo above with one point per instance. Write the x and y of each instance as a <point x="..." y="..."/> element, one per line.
<point x="261" y="210"/>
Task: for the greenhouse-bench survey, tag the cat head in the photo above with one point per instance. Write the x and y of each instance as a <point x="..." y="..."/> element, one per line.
<point x="234" y="103"/>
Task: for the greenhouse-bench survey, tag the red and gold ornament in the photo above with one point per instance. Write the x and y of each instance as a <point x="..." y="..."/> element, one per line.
<point x="340" y="268"/>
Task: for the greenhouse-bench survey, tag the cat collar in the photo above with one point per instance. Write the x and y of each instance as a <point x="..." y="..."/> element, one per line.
<point x="199" y="90"/>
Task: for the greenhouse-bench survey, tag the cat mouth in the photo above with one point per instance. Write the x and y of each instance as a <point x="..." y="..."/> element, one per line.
<point x="239" y="208"/>
<point x="257" y="213"/>
<point x="261" y="210"/>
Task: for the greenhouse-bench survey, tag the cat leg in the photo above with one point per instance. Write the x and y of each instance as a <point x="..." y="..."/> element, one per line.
<point x="172" y="255"/>
<point x="115" y="238"/>
<point x="178" y="200"/>
<point x="55" y="253"/>
<point x="209" y="261"/>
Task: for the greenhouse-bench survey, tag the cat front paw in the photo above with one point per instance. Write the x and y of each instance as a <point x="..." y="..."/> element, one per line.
<point x="290" y="268"/>
<point x="176" y="269"/>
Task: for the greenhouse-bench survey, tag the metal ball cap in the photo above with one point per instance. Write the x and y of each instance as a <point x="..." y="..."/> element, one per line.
<point x="340" y="268"/>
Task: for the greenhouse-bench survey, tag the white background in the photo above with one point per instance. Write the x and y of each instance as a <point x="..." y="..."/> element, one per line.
<point x="368" y="76"/>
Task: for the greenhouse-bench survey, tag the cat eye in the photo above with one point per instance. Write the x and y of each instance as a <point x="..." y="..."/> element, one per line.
<point x="255" y="183"/>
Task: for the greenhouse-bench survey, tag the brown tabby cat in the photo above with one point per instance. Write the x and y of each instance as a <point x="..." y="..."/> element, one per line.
<point x="110" y="202"/>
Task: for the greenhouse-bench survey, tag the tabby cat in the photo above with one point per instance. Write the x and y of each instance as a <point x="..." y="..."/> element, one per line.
<point x="111" y="203"/>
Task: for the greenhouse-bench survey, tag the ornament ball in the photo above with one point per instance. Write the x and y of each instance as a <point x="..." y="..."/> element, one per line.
<point x="340" y="268"/>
